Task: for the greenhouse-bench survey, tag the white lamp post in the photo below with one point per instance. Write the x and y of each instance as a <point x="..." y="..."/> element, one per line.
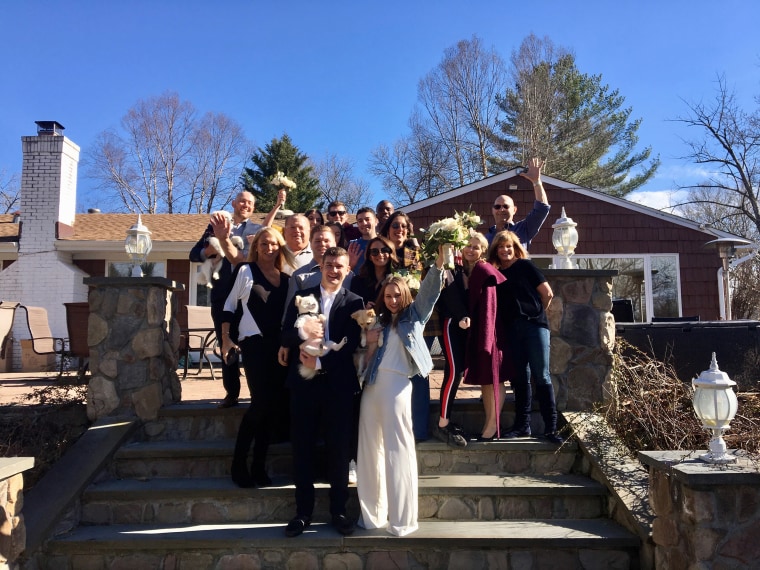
<point x="564" y="240"/>
<point x="138" y="245"/>
<point x="715" y="404"/>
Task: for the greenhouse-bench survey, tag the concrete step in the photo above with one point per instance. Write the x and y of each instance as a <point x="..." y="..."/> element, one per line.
<point x="212" y="458"/>
<point x="589" y="544"/>
<point x="195" y="420"/>
<point x="445" y="497"/>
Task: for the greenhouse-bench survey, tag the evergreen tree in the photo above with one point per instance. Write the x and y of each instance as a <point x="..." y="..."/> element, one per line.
<point x="280" y="155"/>
<point x="572" y="120"/>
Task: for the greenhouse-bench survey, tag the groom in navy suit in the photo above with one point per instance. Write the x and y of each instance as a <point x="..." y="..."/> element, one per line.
<point x="328" y="398"/>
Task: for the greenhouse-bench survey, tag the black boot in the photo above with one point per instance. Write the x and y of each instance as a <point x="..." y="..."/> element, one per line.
<point x="240" y="474"/>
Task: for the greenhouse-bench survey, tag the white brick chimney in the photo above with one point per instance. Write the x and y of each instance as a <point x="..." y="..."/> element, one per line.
<point x="42" y="276"/>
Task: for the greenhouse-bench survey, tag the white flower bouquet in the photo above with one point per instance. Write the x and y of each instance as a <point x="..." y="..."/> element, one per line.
<point x="281" y="181"/>
<point x="411" y="277"/>
<point x="453" y="232"/>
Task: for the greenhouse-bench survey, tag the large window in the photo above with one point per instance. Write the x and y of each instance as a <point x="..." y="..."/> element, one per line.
<point x="199" y="294"/>
<point x="648" y="284"/>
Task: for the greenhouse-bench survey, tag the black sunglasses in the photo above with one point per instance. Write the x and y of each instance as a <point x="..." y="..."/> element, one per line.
<point x="397" y="226"/>
<point x="337" y="213"/>
<point x="500" y="207"/>
<point x="378" y="250"/>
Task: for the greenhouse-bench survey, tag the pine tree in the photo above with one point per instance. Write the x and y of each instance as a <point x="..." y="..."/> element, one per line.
<point x="572" y="120"/>
<point x="280" y="155"/>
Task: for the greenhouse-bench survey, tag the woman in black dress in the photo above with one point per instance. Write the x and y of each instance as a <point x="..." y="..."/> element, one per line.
<point x="261" y="286"/>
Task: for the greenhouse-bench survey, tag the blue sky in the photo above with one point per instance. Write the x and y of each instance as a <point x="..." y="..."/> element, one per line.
<point x="341" y="76"/>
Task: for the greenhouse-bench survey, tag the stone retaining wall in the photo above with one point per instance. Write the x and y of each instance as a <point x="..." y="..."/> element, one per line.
<point x="12" y="528"/>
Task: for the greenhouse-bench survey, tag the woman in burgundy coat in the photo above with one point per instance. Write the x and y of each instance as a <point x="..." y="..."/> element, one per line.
<point x="486" y="361"/>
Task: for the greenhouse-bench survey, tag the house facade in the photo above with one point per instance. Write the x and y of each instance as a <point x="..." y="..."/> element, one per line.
<point x="47" y="250"/>
<point x="665" y="270"/>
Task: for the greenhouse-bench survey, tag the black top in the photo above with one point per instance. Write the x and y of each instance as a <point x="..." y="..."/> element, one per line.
<point x="266" y="302"/>
<point x="517" y="296"/>
<point x="454" y="300"/>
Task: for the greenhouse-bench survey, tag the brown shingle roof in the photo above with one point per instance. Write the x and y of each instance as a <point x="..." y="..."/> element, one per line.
<point x="163" y="227"/>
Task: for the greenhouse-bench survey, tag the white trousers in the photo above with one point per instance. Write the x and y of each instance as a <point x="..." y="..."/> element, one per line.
<point x="386" y="468"/>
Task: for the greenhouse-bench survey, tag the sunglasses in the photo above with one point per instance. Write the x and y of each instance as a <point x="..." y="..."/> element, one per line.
<point x="374" y="251"/>
<point x="397" y="226"/>
<point x="337" y="213"/>
<point x="500" y="207"/>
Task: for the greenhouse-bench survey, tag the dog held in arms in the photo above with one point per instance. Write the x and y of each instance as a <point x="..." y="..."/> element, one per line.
<point x="209" y="270"/>
<point x="308" y="309"/>
<point x="367" y="320"/>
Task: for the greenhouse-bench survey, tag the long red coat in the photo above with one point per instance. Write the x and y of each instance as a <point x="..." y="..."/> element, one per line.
<point x="485" y="358"/>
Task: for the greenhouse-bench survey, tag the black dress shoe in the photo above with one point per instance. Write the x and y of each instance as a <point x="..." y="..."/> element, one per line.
<point x="240" y="475"/>
<point x="228" y="402"/>
<point x="260" y="477"/>
<point x="297" y="525"/>
<point x="343" y="524"/>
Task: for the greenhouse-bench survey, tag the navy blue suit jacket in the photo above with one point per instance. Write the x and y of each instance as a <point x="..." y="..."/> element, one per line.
<point x="341" y="372"/>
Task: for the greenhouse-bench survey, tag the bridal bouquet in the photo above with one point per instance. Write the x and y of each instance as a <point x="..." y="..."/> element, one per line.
<point x="411" y="276"/>
<point x="454" y="232"/>
<point x="280" y="180"/>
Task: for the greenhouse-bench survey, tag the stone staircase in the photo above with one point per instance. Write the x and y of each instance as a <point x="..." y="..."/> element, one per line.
<point x="166" y="501"/>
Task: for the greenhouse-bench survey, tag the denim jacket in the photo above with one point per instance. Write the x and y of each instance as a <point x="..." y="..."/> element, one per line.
<point x="410" y="325"/>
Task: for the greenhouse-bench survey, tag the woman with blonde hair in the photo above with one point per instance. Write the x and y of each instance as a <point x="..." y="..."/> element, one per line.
<point x="453" y="308"/>
<point x="261" y="287"/>
<point x="387" y="462"/>
<point x="523" y="298"/>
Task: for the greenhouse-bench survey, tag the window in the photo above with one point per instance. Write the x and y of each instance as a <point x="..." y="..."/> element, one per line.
<point x="650" y="283"/>
<point x="124" y="269"/>
<point x="199" y="294"/>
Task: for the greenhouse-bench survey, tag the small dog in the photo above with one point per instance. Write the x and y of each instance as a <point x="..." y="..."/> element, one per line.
<point x="367" y="320"/>
<point x="209" y="270"/>
<point x="308" y="309"/>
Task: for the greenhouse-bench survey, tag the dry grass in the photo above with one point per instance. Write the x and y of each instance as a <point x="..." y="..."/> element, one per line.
<point x="44" y="427"/>
<point x="653" y="409"/>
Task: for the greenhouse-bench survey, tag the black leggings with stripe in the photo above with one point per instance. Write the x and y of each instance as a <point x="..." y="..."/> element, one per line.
<point x="454" y="343"/>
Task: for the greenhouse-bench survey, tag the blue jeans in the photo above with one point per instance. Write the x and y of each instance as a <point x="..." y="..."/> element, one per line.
<point x="529" y="347"/>
<point x="420" y="406"/>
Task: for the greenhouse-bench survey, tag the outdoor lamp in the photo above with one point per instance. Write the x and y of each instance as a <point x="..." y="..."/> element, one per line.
<point x="138" y="246"/>
<point x="715" y="405"/>
<point x="564" y="240"/>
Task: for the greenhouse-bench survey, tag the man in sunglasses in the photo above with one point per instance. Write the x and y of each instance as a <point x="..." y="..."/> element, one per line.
<point x="504" y="209"/>
<point x="336" y="212"/>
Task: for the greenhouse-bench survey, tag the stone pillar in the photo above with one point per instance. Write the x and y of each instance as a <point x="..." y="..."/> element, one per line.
<point x="12" y="528"/>
<point x="582" y="335"/>
<point x="134" y="339"/>
<point x="707" y="516"/>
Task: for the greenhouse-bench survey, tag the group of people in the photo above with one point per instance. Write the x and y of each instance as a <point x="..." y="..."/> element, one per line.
<point x="493" y="328"/>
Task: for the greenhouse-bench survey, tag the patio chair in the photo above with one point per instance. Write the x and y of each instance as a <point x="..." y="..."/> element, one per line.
<point x="200" y="337"/>
<point x="77" y="324"/>
<point x="7" y="313"/>
<point x="43" y="341"/>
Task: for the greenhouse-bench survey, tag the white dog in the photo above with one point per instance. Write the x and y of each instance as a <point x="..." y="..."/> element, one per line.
<point x="308" y="309"/>
<point x="209" y="270"/>
<point x="367" y="320"/>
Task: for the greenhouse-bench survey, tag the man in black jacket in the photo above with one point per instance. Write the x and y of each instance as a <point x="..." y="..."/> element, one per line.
<point x="328" y="398"/>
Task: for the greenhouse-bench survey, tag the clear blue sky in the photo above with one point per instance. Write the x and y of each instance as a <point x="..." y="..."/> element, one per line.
<point x="341" y="76"/>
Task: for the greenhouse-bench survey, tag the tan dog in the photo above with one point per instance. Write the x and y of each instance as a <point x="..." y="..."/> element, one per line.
<point x="367" y="320"/>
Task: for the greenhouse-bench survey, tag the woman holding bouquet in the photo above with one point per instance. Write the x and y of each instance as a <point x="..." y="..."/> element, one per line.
<point x="261" y="286"/>
<point x="387" y="464"/>
<point x="455" y="319"/>
<point x="523" y="298"/>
